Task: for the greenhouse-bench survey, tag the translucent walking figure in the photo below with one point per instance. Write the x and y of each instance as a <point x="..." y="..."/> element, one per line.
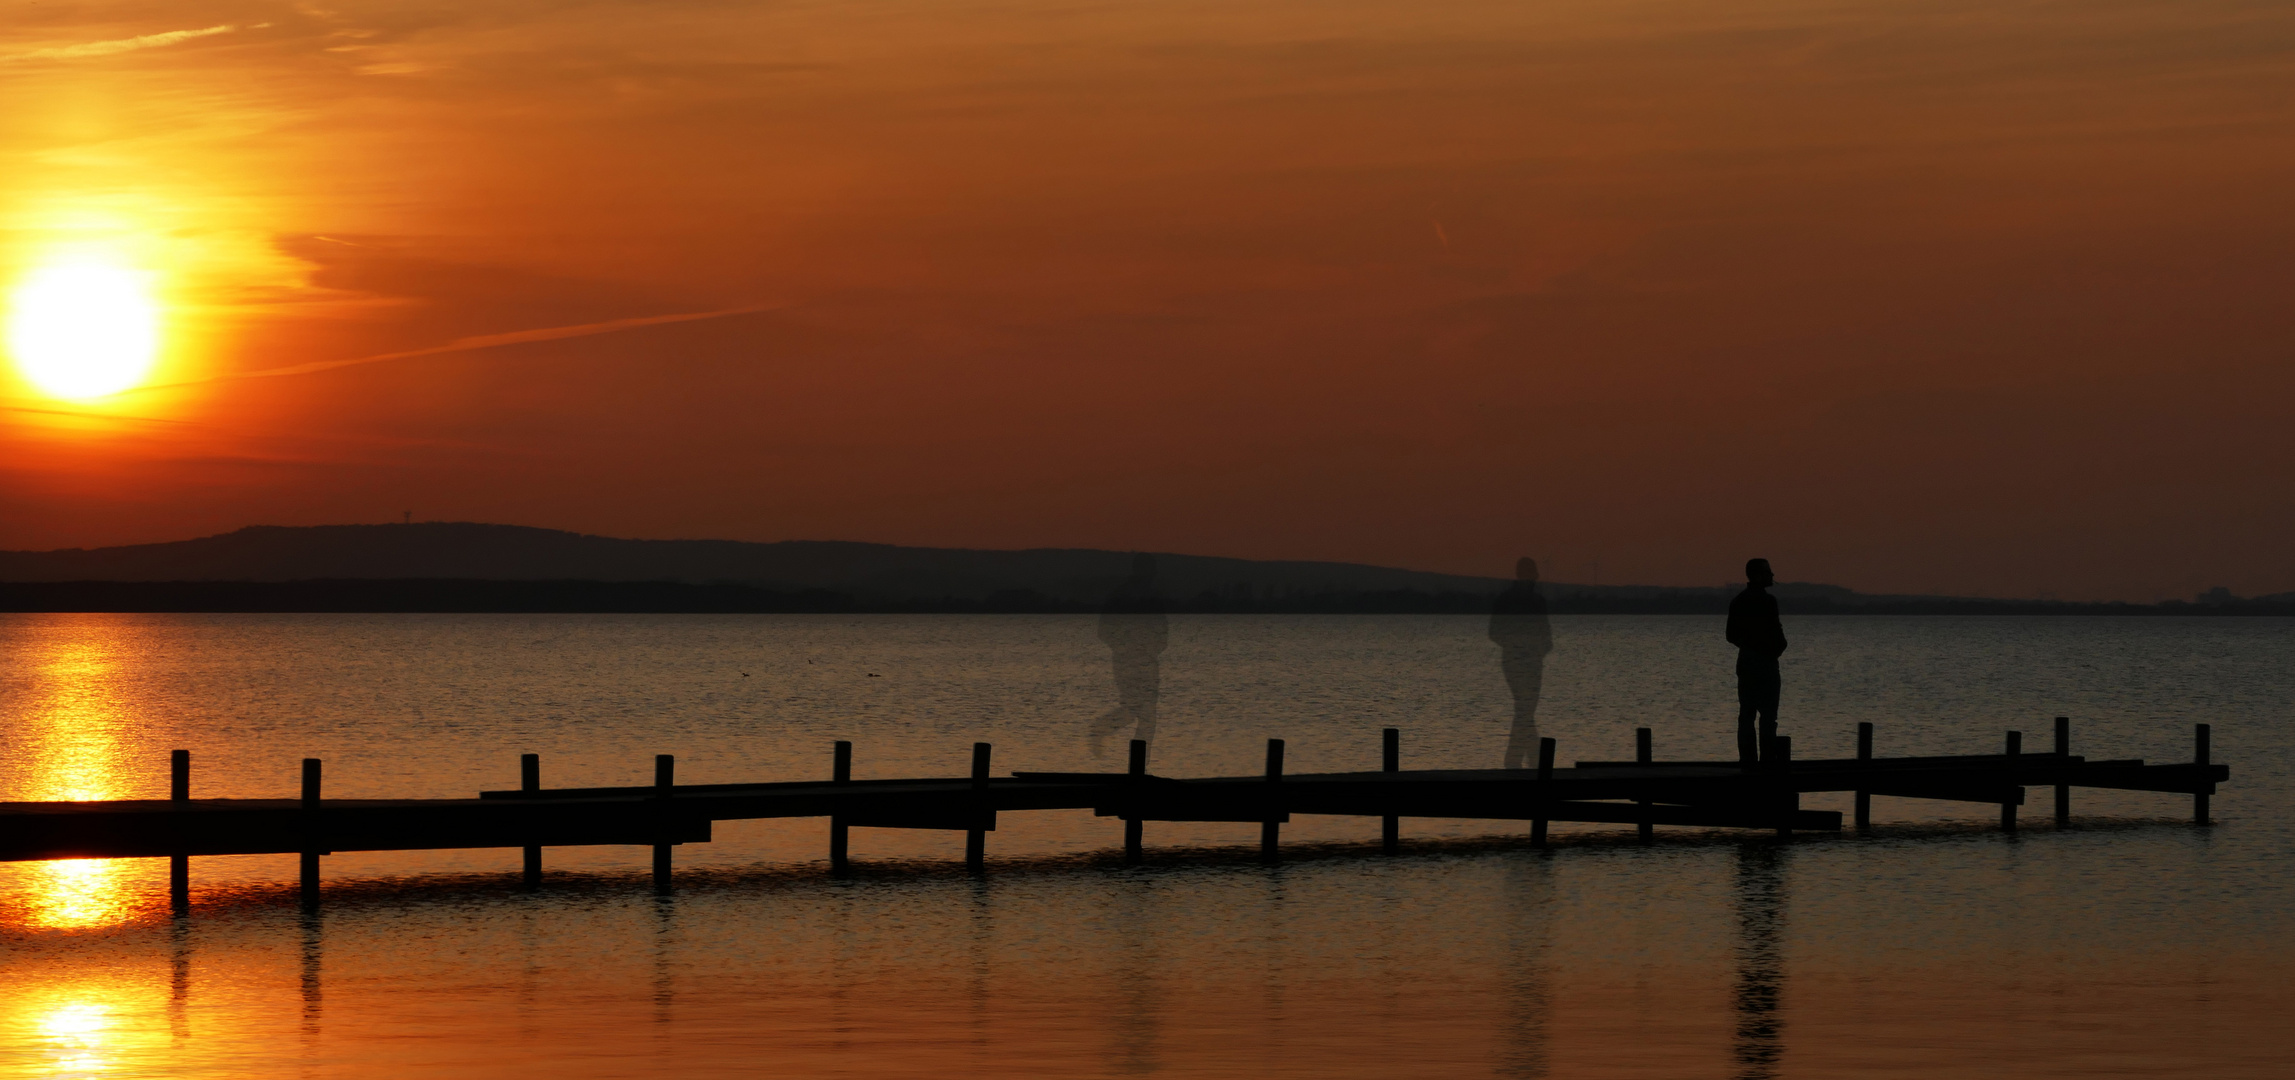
<point x="1518" y="624"/>
<point x="1133" y="626"/>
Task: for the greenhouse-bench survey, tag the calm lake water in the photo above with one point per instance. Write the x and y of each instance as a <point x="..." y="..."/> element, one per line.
<point x="2131" y="944"/>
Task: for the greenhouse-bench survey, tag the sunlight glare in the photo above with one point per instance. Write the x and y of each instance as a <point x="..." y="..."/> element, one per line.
<point x="84" y="327"/>
<point x="75" y="1037"/>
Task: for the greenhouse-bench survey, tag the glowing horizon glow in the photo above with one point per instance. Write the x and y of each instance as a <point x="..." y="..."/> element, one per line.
<point x="84" y="327"/>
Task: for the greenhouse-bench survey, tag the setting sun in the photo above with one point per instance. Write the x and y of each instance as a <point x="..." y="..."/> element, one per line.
<point x="83" y="328"/>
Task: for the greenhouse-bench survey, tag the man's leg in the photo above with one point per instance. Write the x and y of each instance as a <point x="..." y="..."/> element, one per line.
<point x="1748" y="706"/>
<point x="1522" y="742"/>
<point x="1524" y="674"/>
<point x="1765" y="706"/>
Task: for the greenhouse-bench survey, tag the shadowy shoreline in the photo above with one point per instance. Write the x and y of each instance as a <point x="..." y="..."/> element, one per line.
<point x="478" y="596"/>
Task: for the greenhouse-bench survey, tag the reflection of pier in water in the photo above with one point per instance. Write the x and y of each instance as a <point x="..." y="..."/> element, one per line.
<point x="1642" y="793"/>
<point x="1760" y="987"/>
<point x="1529" y="938"/>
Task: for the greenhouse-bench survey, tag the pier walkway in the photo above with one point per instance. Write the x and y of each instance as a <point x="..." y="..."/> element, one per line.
<point x="1643" y="793"/>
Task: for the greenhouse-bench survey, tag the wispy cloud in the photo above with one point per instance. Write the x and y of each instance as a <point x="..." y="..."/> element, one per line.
<point x="120" y="45"/>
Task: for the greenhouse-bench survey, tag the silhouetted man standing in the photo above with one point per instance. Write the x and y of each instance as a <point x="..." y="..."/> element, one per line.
<point x="1760" y="639"/>
<point x="1518" y="625"/>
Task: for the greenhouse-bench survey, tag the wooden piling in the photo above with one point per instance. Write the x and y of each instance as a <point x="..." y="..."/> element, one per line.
<point x="2200" y="750"/>
<point x="1134" y="831"/>
<point x="530" y="781"/>
<point x="1271" y="830"/>
<point x="1545" y="775"/>
<point x="1788" y="800"/>
<point x="1390" y="760"/>
<point x="664" y="786"/>
<point x="2063" y="791"/>
<point x="179" y="864"/>
<point x="1864" y="813"/>
<point x="2014" y="750"/>
<point x="976" y="840"/>
<point x="1643" y="755"/>
<point x="310" y="859"/>
<point x="840" y="772"/>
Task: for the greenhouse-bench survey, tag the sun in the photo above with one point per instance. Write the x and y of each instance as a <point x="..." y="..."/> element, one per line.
<point x="84" y="327"/>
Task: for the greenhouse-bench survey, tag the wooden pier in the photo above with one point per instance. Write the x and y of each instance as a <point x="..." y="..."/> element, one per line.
<point x="1643" y="793"/>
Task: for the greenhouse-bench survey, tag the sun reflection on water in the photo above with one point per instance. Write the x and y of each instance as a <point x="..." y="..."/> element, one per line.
<point x="73" y="893"/>
<point x="82" y="1028"/>
<point x="73" y="1035"/>
<point x="72" y="730"/>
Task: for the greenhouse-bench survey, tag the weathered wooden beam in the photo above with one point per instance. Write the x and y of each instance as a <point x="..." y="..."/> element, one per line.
<point x="310" y="827"/>
<point x="1271" y="828"/>
<point x="1390" y="754"/>
<point x="1545" y="778"/>
<point x="840" y="773"/>
<point x="530" y="781"/>
<point x="2063" y="790"/>
<point x="1847" y="764"/>
<point x="1134" y="828"/>
<point x="158" y="828"/>
<point x="1992" y="791"/>
<point x="179" y="862"/>
<point x="665" y="789"/>
<point x="1645" y="830"/>
<point x="2008" y="806"/>
<point x="2199" y="797"/>
<point x="2178" y="778"/>
<point x="976" y="839"/>
<point x="1864" y="806"/>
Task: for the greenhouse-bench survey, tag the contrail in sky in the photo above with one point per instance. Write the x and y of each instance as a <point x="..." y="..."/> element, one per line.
<point x="121" y="45"/>
<point x="468" y="344"/>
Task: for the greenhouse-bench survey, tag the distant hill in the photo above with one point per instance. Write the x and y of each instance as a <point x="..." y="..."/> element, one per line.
<point x="461" y="566"/>
<point x="872" y="574"/>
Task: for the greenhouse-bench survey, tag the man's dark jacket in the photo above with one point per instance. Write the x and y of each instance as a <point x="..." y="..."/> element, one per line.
<point x="1754" y="626"/>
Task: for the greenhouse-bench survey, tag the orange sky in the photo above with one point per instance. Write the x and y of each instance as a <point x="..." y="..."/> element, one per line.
<point x="1971" y="297"/>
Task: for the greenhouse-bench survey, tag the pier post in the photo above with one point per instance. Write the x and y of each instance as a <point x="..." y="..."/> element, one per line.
<point x="664" y="784"/>
<point x="2064" y="751"/>
<point x="1545" y="775"/>
<point x="1644" y="755"/>
<point x="1864" y="798"/>
<point x="530" y="782"/>
<point x="840" y="772"/>
<point x="1134" y="828"/>
<point x="179" y="864"/>
<point x="2014" y="750"/>
<point x="1271" y="830"/>
<point x="2200" y="748"/>
<point x="1390" y="826"/>
<point x="310" y="860"/>
<point x="1788" y="800"/>
<point x="976" y="840"/>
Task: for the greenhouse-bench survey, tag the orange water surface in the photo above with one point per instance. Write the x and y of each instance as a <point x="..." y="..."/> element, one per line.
<point x="2130" y="944"/>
